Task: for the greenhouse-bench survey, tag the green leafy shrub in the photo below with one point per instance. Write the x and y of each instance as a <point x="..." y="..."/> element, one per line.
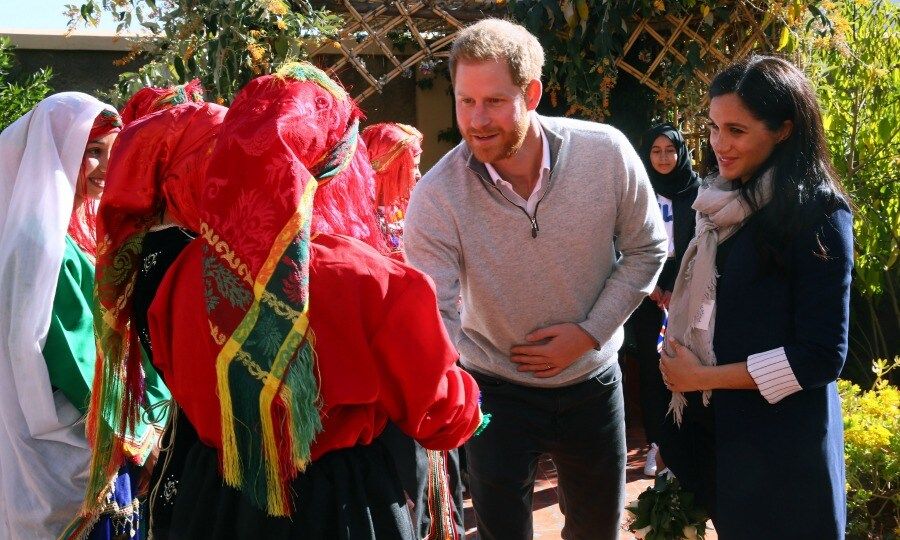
<point x="17" y="97"/>
<point x="856" y="72"/>
<point x="224" y="43"/>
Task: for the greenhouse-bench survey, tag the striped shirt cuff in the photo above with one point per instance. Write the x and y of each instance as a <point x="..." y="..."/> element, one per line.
<point x="773" y="374"/>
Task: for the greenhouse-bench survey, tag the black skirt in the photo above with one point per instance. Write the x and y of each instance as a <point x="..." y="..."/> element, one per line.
<point x="177" y="441"/>
<point x="348" y="494"/>
<point x="160" y="249"/>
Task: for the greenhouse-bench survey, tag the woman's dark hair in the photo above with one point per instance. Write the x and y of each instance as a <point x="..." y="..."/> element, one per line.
<point x="774" y="90"/>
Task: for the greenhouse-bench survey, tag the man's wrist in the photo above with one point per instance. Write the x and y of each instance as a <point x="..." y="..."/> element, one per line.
<point x="591" y="340"/>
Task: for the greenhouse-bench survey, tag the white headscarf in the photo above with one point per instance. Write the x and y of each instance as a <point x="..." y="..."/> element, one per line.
<point x="44" y="452"/>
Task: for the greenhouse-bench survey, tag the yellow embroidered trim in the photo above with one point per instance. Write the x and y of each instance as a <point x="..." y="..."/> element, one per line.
<point x="230" y="456"/>
<point x="272" y="386"/>
<point x="252" y="367"/>
<point x="381" y="162"/>
<point x="280" y="308"/>
<point x="217" y="336"/>
<point x="226" y="253"/>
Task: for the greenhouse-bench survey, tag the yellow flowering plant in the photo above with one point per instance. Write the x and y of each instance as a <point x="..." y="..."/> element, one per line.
<point x="872" y="455"/>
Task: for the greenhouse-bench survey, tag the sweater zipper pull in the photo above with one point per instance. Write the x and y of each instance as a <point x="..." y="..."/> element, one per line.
<point x="534" y="227"/>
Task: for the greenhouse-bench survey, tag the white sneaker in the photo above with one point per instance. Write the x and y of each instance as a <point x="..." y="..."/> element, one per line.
<point x="650" y="465"/>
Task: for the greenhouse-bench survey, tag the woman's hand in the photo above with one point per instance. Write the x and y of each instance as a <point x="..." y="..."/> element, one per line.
<point x="656" y="294"/>
<point x="661" y="297"/>
<point x="664" y="298"/>
<point x="682" y="372"/>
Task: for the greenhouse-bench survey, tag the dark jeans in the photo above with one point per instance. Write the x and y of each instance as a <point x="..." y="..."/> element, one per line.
<point x="581" y="426"/>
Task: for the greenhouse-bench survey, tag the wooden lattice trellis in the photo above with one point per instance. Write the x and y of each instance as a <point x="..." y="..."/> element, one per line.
<point x="432" y="24"/>
<point x="745" y="31"/>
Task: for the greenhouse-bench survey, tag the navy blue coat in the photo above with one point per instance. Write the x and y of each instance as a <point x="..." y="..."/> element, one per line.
<point x="780" y="467"/>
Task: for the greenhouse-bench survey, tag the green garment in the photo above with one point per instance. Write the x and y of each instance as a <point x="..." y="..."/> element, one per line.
<point x="71" y="351"/>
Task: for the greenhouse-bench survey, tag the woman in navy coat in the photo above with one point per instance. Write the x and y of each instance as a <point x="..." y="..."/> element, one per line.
<point x="770" y="339"/>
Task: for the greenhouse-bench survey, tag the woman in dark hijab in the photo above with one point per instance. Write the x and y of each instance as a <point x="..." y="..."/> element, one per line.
<point x="668" y="163"/>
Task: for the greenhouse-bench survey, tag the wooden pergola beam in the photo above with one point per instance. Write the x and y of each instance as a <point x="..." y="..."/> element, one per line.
<point x="465" y="14"/>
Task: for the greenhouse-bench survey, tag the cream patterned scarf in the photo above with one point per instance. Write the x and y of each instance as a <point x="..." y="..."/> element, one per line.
<point x="692" y="311"/>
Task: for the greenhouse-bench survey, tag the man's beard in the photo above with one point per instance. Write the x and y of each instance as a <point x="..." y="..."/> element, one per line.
<point x="506" y="147"/>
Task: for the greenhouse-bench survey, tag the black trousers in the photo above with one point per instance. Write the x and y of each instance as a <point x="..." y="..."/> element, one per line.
<point x="581" y="426"/>
<point x="645" y="324"/>
<point x="412" y="468"/>
<point x="689" y="450"/>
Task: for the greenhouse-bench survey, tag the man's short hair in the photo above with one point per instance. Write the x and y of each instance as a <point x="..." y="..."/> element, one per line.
<point x="497" y="39"/>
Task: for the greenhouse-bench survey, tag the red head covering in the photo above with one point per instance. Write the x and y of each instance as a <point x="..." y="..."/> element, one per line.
<point x="392" y="151"/>
<point x="82" y="224"/>
<point x="106" y="122"/>
<point x="157" y="164"/>
<point x="288" y="140"/>
<point x="151" y="99"/>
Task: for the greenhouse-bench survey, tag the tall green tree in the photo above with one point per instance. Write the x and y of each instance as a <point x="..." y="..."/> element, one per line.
<point x="856" y="70"/>
<point x="224" y="43"/>
<point x="18" y="96"/>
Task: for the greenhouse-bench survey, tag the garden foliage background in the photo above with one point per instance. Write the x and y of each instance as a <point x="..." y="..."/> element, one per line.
<point x="18" y="95"/>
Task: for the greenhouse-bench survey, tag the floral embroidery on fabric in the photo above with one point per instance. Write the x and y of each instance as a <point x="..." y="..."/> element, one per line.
<point x="123" y="264"/>
<point x="226" y="282"/>
<point x="225" y="253"/>
<point x="266" y="334"/>
<point x="170" y="490"/>
<point x="209" y="296"/>
<point x="250" y="212"/>
<point x="150" y="261"/>
<point x="293" y="288"/>
<point x="295" y="283"/>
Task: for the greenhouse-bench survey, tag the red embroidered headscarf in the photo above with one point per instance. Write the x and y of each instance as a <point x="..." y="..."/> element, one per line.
<point x="392" y="150"/>
<point x="158" y="164"/>
<point x="288" y="140"/>
<point x="82" y="224"/>
<point x="106" y="122"/>
<point x="151" y="99"/>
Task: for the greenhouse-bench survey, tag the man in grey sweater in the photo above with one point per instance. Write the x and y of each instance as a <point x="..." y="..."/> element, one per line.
<point x="549" y="231"/>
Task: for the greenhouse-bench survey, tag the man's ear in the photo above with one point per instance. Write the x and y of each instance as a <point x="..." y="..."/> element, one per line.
<point x="533" y="91"/>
